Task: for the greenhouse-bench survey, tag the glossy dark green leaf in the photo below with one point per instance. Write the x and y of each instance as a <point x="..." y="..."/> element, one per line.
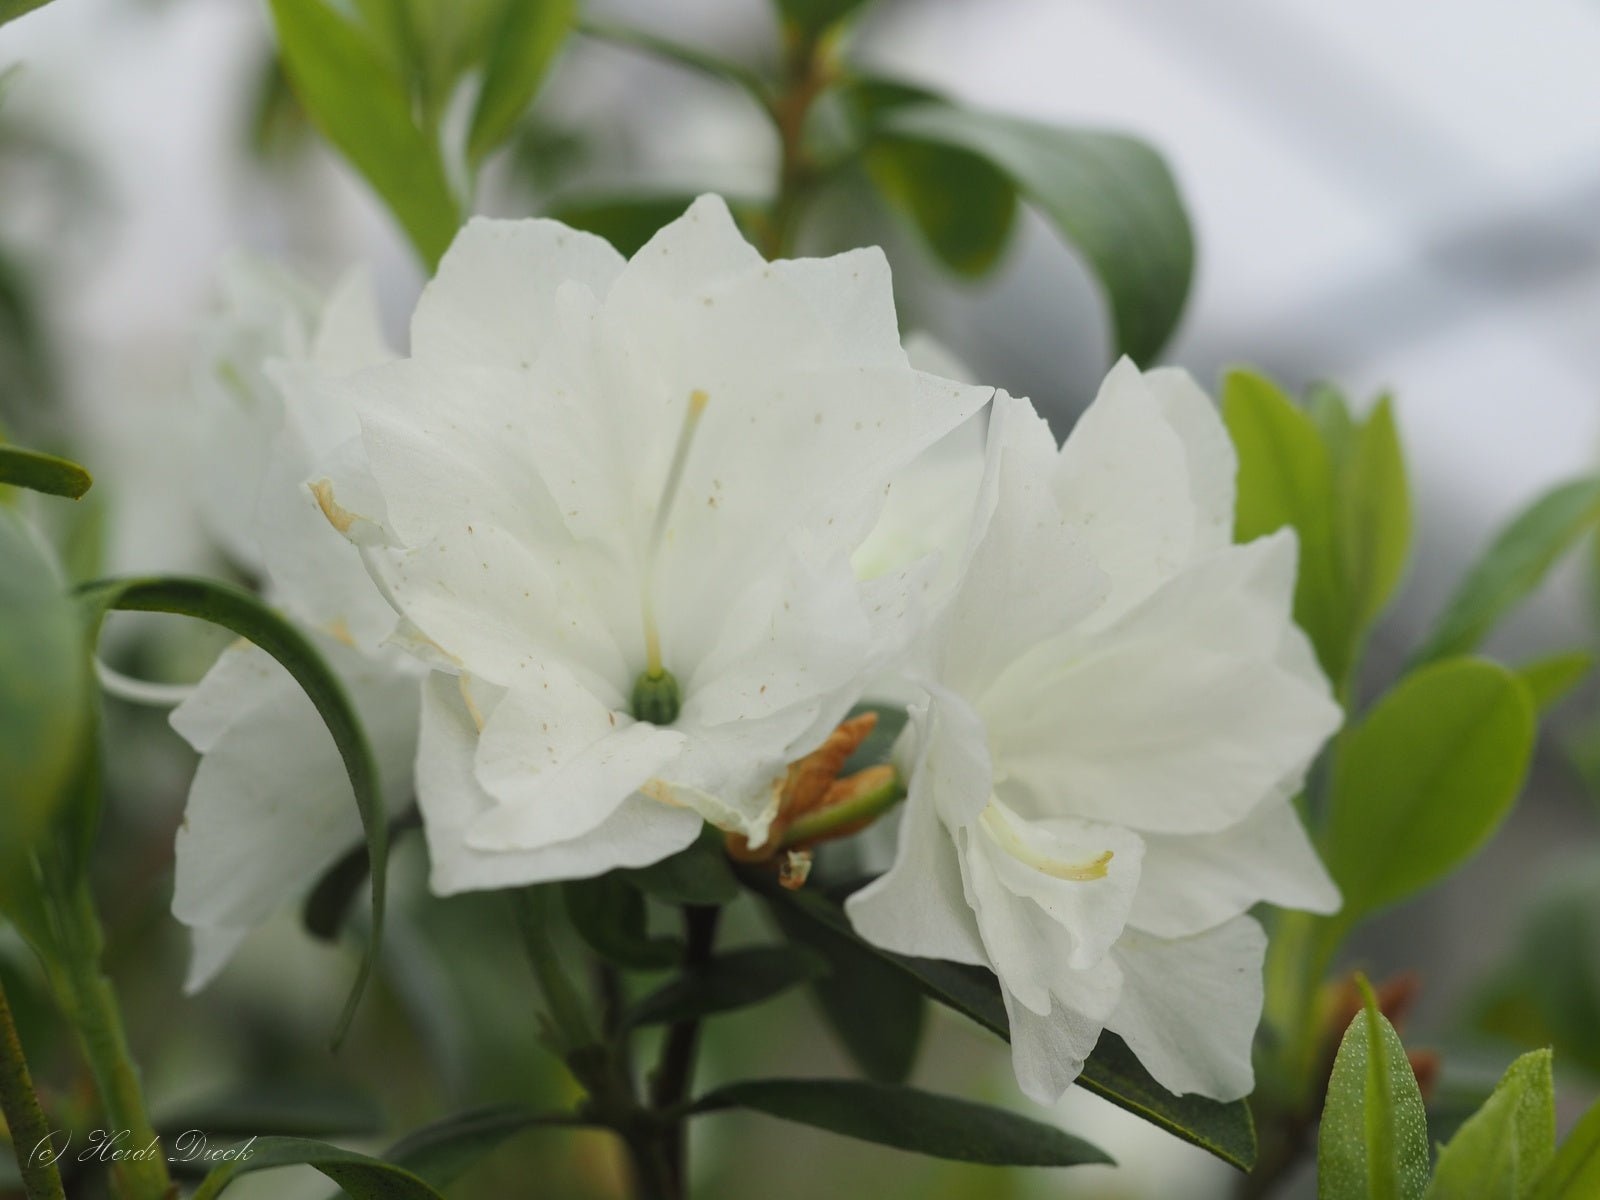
<point x="1111" y="197"/>
<point x="1112" y="1072"/>
<point x="522" y="47"/>
<point x="361" y="1177"/>
<point x="1574" y="1172"/>
<point x="1503" y="1148"/>
<point x="610" y="915"/>
<point x="908" y="1119"/>
<point x="699" y="874"/>
<point x="1550" y="680"/>
<point x="729" y="981"/>
<point x="352" y="94"/>
<point x="44" y="694"/>
<point x="241" y="613"/>
<point x="963" y="206"/>
<point x="1373" y="1142"/>
<point x="873" y="1008"/>
<point x="1421" y="783"/>
<point x="39" y="472"/>
<point x="1516" y="561"/>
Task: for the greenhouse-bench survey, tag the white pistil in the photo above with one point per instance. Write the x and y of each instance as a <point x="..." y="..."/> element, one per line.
<point x="1092" y="868"/>
<point x="669" y="493"/>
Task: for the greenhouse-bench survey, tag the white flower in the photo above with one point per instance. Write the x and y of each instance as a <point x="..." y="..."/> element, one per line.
<point x="1117" y="711"/>
<point x="617" y="500"/>
<point x="270" y="807"/>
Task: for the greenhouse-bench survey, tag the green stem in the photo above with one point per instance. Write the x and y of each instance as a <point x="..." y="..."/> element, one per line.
<point x="806" y="76"/>
<point x="30" y="1134"/>
<point x="90" y="1005"/>
<point x="673" y="1078"/>
<point x="566" y="1009"/>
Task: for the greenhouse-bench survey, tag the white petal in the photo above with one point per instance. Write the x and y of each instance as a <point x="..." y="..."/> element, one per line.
<point x="210" y="948"/>
<point x="1190" y="1006"/>
<point x="492" y="302"/>
<point x="638" y="833"/>
<point x="349" y="333"/>
<point x="270" y="807"/>
<point x="559" y="762"/>
<point x="1192" y="883"/>
<point x="1212" y="461"/>
<point x="699" y="248"/>
<point x="1048" y="1050"/>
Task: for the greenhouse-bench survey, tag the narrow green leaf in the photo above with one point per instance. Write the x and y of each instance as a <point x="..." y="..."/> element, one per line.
<point x="1574" y="1172"/>
<point x="699" y="874"/>
<point x="871" y="1005"/>
<point x="1373" y="1143"/>
<point x="1551" y="678"/>
<point x="1374" y="516"/>
<point x="1514" y="564"/>
<point x="362" y="1178"/>
<point x="812" y="17"/>
<point x="1505" y="1146"/>
<point x="1424" y="780"/>
<point x="691" y="57"/>
<point x="733" y="980"/>
<point x="241" y="613"/>
<point x="352" y="94"/>
<point x="1110" y="196"/>
<point x="524" y="44"/>
<point x="285" y="1108"/>
<point x="1286" y="478"/>
<point x="611" y="917"/>
<point x="10" y="10"/>
<point x="1113" y="1072"/>
<point x="962" y="204"/>
<point x="39" y="472"/>
<point x="907" y="1119"/>
<point x="443" y="1151"/>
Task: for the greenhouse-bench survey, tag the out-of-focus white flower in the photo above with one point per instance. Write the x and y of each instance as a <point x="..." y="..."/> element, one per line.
<point x="270" y="807"/>
<point x="1117" y="710"/>
<point x="617" y="502"/>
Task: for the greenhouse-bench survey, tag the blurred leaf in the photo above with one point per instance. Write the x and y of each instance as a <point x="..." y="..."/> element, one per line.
<point x="1374" y="515"/>
<point x="353" y="96"/>
<point x="10" y="10"/>
<point x="331" y="898"/>
<point x="874" y="1008"/>
<point x="361" y="1177"/>
<point x="683" y="55"/>
<point x="907" y="1119"/>
<point x="289" y="1109"/>
<point x="611" y="917"/>
<point x="733" y="980"/>
<point x="1113" y="1072"/>
<point x="1503" y="1147"/>
<point x="522" y="47"/>
<point x="1286" y="478"/>
<point x="1551" y="678"/>
<point x="44" y="694"/>
<point x="963" y="205"/>
<point x="1373" y="1143"/>
<point x="699" y="874"/>
<point x="1111" y="197"/>
<point x="42" y="472"/>
<point x="1424" y="779"/>
<point x="629" y="221"/>
<point x="880" y="742"/>
<point x="1512" y="567"/>
<point x="1574" y="1172"/>
<point x="245" y="615"/>
<point x="443" y="1151"/>
<point x="814" y="16"/>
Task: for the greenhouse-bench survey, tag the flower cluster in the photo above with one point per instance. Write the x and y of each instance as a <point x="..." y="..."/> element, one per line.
<point x="618" y="547"/>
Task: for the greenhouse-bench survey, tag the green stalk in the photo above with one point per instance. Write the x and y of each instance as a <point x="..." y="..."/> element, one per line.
<point x="30" y="1134"/>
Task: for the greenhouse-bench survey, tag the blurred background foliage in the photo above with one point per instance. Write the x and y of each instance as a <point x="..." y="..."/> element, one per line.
<point x="139" y="139"/>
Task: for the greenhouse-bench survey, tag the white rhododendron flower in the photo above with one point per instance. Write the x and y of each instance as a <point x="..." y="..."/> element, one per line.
<point x="270" y="807"/>
<point x="1117" y="711"/>
<point x="616" y="502"/>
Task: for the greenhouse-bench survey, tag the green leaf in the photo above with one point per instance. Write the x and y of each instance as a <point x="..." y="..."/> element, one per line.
<point x="814" y="16"/>
<point x="611" y="917"/>
<point x="962" y="204"/>
<point x="525" y="42"/>
<point x="1551" y="678"/>
<point x="284" y="1108"/>
<point x="1374" y="516"/>
<point x="1113" y="1072"/>
<point x="1286" y="478"/>
<point x="1574" y="1172"/>
<point x="1512" y="567"/>
<point x="40" y="472"/>
<point x="872" y="1006"/>
<point x="1504" y="1147"/>
<point x="353" y="95"/>
<point x="243" y="614"/>
<point x="10" y="10"/>
<point x="44" y="695"/>
<point x="699" y="874"/>
<point x="1424" y="780"/>
<point x="361" y="1177"/>
<point x="690" y="57"/>
<point x="443" y="1151"/>
<point x="733" y="980"/>
<point x="1110" y="196"/>
<point x="1373" y="1144"/>
<point x="907" y="1119"/>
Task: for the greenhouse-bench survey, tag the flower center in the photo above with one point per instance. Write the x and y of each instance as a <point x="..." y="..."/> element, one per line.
<point x="656" y="697"/>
